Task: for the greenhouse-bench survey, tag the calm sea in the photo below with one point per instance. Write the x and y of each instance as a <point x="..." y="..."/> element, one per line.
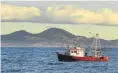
<point x="44" y="60"/>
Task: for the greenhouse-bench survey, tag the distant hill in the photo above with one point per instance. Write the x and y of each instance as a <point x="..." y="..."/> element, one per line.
<point x="49" y="37"/>
<point x="54" y="34"/>
<point x="16" y="36"/>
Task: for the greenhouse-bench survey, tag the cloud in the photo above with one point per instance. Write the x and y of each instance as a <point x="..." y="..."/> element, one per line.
<point x="61" y="14"/>
<point x="9" y="12"/>
<point x="78" y="15"/>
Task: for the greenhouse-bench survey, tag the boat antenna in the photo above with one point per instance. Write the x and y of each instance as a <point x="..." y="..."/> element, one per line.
<point x="96" y="47"/>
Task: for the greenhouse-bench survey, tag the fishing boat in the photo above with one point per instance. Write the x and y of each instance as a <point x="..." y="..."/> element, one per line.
<point x="77" y="53"/>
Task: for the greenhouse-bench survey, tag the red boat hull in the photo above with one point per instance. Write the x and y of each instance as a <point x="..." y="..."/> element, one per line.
<point x="62" y="57"/>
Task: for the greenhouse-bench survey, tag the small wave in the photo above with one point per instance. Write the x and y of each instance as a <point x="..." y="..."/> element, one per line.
<point x="14" y="70"/>
<point x="48" y="69"/>
<point x="94" y="67"/>
<point x="54" y="63"/>
<point x="6" y="60"/>
<point x="3" y="54"/>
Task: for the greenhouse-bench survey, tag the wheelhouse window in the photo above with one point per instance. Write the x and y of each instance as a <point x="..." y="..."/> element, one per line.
<point x="71" y="51"/>
<point x="75" y="51"/>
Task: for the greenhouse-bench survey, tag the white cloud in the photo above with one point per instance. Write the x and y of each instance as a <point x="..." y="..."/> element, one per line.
<point x="60" y="14"/>
<point x="9" y="12"/>
<point x="68" y="12"/>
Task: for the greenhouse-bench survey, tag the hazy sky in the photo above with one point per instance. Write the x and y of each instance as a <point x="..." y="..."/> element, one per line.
<point x="78" y="17"/>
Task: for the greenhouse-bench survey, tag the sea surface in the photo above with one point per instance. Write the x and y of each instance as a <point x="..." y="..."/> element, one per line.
<point x="44" y="60"/>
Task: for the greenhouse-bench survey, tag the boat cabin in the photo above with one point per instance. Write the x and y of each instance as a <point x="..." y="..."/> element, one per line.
<point x="76" y="51"/>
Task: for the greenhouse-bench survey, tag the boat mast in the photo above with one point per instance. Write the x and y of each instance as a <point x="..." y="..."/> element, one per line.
<point x="96" y="47"/>
<point x="75" y="43"/>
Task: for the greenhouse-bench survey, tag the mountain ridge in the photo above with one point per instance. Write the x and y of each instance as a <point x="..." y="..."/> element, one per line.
<point x="50" y="36"/>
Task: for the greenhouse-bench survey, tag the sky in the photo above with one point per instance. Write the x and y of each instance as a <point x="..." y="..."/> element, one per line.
<point x="76" y="17"/>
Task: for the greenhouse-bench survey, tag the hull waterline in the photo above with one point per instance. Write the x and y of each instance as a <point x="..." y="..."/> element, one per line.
<point x="62" y="57"/>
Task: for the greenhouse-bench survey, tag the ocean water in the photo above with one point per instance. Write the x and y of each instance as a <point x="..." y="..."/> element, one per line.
<point x="44" y="60"/>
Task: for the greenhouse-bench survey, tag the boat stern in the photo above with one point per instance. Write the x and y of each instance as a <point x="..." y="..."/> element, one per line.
<point x="105" y="58"/>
